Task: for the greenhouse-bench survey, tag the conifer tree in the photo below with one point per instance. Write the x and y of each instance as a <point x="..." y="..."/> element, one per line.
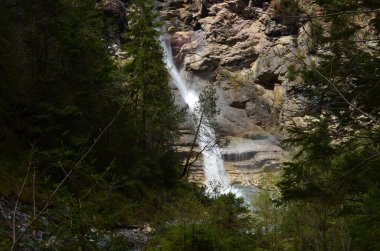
<point x="54" y="74"/>
<point x="155" y="114"/>
<point x="337" y="158"/>
<point x="59" y="91"/>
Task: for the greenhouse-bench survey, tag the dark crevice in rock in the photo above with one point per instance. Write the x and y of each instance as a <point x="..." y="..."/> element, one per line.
<point x="268" y="80"/>
<point x="282" y="27"/>
<point x="239" y="104"/>
<point x="237" y="7"/>
<point x="234" y="156"/>
<point x="260" y="3"/>
<point x="176" y="3"/>
<point x="197" y="26"/>
<point x="204" y="11"/>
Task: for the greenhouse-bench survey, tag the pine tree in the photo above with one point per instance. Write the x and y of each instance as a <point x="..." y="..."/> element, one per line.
<point x="55" y="70"/>
<point x="154" y="113"/>
<point x="59" y="91"/>
<point x="337" y="157"/>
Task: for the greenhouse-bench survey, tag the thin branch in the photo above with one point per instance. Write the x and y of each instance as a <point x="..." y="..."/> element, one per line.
<point x="197" y="156"/>
<point x="337" y="13"/>
<point x="34" y="197"/>
<point x="63" y="169"/>
<point x="96" y="183"/>
<point x="353" y="169"/>
<point x="19" y="196"/>
<point x="262" y="188"/>
<point x="343" y="97"/>
<point x="339" y="40"/>
<point x="343" y="175"/>
<point x="185" y="169"/>
<point x="77" y="164"/>
<point x="352" y="40"/>
<point x="26" y="28"/>
<point x="335" y="88"/>
<point x="200" y="152"/>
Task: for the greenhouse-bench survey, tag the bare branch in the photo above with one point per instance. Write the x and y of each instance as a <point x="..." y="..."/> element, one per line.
<point x="338" y="13"/>
<point x="77" y="164"/>
<point x="19" y="196"/>
<point x="197" y="156"/>
<point x="261" y="187"/>
<point x="342" y="96"/>
<point x="299" y="60"/>
<point x="353" y="169"/>
<point x="186" y="168"/>
<point x="63" y="169"/>
<point x="34" y="197"/>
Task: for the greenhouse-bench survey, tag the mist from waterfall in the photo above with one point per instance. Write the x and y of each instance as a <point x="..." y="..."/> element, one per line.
<point x="214" y="171"/>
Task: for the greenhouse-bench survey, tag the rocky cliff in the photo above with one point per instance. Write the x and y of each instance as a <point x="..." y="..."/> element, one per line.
<point x="246" y="49"/>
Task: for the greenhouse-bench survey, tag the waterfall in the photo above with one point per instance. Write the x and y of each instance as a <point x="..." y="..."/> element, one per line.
<point x="214" y="171"/>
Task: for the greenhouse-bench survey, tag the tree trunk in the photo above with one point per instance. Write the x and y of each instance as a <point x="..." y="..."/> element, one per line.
<point x="186" y="168"/>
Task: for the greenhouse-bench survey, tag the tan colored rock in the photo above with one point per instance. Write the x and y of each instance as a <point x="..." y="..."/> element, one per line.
<point x="279" y="93"/>
<point x="228" y="37"/>
<point x="172" y="29"/>
<point x="185" y="15"/>
<point x="216" y="8"/>
<point x="179" y="39"/>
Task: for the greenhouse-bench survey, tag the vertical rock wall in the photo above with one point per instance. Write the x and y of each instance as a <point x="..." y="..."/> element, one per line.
<point x="245" y="49"/>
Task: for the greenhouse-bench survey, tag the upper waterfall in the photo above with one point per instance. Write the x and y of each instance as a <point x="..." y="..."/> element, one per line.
<point x="215" y="174"/>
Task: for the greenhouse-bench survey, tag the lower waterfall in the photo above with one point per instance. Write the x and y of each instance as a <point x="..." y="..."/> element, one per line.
<point x="214" y="171"/>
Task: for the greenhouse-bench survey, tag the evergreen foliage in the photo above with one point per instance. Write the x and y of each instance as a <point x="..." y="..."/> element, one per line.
<point x="104" y="130"/>
<point x="219" y="223"/>
<point x="59" y="91"/>
<point x="204" y="117"/>
<point x="336" y="162"/>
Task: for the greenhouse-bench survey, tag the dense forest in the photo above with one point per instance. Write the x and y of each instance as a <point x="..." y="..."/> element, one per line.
<point x="87" y="140"/>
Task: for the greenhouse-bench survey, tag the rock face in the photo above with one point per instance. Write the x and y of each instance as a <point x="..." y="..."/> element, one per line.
<point x="183" y="147"/>
<point x="246" y="159"/>
<point x="243" y="48"/>
<point x="246" y="50"/>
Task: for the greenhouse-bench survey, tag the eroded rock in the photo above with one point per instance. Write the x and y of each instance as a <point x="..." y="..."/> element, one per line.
<point x="245" y="50"/>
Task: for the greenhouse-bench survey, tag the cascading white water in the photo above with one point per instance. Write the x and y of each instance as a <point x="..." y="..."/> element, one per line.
<point x="214" y="171"/>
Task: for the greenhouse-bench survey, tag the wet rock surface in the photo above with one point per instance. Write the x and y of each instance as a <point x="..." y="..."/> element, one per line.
<point x="183" y="147"/>
<point x="246" y="159"/>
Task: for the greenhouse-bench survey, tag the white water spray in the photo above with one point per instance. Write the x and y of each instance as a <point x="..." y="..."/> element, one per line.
<point x="214" y="171"/>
